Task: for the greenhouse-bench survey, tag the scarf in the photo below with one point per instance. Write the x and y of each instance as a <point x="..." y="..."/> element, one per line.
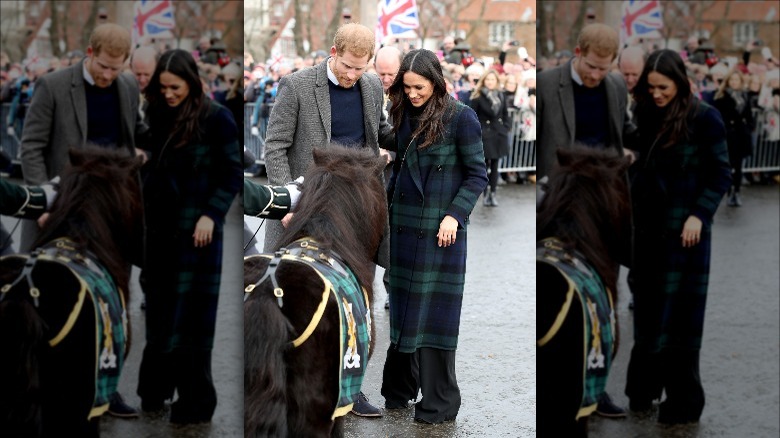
<point x="494" y="96"/>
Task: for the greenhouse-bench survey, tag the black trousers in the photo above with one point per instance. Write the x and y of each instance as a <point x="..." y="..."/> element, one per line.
<point x="428" y="369"/>
<point x="492" y="168"/>
<point x="674" y="370"/>
<point x="185" y="370"/>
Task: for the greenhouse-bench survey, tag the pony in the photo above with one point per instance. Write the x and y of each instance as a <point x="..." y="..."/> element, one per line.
<point x="583" y="223"/>
<point x="58" y="367"/>
<point x="293" y="359"/>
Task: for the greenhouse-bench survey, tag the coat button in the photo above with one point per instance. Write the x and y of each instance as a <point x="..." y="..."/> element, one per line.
<point x="420" y="235"/>
<point x="401" y="196"/>
<point x="488" y="122"/>
<point x="400" y="229"/>
<point x="438" y="168"/>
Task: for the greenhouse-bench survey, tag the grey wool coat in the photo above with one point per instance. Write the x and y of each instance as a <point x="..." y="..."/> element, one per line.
<point x="426" y="281"/>
<point x="301" y="121"/>
<point x="555" y="113"/>
<point x="57" y="120"/>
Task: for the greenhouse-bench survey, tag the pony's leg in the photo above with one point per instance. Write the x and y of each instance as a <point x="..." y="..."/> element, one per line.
<point x="338" y="428"/>
<point x="559" y="363"/>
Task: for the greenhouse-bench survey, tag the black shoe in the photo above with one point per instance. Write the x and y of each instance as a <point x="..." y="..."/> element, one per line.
<point x="631" y="303"/>
<point x="118" y="408"/>
<point x="387" y="302"/>
<point x="182" y="413"/>
<point x="363" y="408"/>
<point x="606" y="408"/>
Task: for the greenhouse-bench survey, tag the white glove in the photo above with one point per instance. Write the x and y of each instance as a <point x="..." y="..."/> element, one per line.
<point x="255" y="131"/>
<point x="295" y="193"/>
<point x="11" y="131"/>
<point x="50" y="189"/>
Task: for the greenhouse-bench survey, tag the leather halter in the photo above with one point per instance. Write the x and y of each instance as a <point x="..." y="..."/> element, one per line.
<point x="305" y="249"/>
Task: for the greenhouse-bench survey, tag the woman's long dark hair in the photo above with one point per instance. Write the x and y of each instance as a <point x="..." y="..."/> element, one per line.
<point x="183" y="122"/>
<point x="670" y="122"/>
<point x="434" y="116"/>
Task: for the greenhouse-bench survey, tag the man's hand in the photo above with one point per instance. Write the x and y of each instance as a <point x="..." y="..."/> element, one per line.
<point x="286" y="219"/>
<point x="386" y="154"/>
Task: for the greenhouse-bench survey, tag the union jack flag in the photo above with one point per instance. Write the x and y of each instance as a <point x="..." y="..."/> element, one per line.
<point x="152" y="18"/>
<point x="640" y="18"/>
<point x="396" y="17"/>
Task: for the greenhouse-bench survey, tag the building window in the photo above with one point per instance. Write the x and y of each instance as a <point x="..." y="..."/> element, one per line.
<point x="744" y="32"/>
<point x="500" y="32"/>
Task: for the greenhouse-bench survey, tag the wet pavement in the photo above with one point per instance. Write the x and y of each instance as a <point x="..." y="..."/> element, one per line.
<point x="740" y="356"/>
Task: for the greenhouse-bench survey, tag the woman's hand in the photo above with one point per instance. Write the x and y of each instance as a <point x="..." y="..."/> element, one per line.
<point x="204" y="229"/>
<point x="691" y="233"/>
<point x="448" y="230"/>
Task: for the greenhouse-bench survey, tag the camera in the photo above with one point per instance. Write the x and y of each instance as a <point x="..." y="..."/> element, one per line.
<point x="758" y="43"/>
<point x="514" y="43"/>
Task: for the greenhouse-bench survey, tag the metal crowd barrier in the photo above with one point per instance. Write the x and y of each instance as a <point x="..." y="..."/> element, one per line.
<point x="522" y="154"/>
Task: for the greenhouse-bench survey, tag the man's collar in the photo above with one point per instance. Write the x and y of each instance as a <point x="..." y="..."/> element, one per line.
<point x="87" y="77"/>
<point x="574" y="75"/>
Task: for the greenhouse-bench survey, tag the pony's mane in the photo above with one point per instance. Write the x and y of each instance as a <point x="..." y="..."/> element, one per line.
<point x="343" y="207"/>
<point x="99" y="208"/>
<point x="586" y="206"/>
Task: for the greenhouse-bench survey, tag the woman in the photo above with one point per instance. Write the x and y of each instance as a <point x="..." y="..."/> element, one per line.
<point x="682" y="174"/>
<point x="488" y="101"/>
<point x="734" y="106"/>
<point x="189" y="185"/>
<point x="438" y="177"/>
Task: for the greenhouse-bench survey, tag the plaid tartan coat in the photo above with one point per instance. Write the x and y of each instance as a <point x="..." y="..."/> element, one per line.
<point x="670" y="282"/>
<point x="181" y="282"/>
<point x="426" y="281"/>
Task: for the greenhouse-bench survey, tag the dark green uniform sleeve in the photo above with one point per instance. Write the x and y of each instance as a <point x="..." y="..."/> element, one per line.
<point x="264" y="201"/>
<point x="21" y="201"/>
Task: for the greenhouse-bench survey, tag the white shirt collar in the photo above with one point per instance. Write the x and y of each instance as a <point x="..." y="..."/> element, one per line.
<point x="87" y="77"/>
<point x="574" y="75"/>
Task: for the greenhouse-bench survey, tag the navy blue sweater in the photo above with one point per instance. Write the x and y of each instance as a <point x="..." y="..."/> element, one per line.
<point x="590" y="113"/>
<point x="346" y="116"/>
<point x="103" y="127"/>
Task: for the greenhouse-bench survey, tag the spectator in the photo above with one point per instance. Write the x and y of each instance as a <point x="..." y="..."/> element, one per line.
<point x="489" y="103"/>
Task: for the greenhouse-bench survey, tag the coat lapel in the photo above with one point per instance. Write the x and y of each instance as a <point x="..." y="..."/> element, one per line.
<point x="413" y="164"/>
<point x="566" y="94"/>
<point x="322" y="98"/>
<point x="79" y="98"/>
<point x="370" y="117"/>
<point x="127" y="126"/>
<point x="615" y="127"/>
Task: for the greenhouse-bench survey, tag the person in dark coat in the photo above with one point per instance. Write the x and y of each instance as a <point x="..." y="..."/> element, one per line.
<point x="681" y="177"/>
<point x="438" y="176"/>
<point x="189" y="185"/>
<point x="734" y="106"/>
<point x="488" y="101"/>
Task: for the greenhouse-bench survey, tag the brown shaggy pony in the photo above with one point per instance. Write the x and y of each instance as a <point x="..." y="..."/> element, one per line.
<point x="293" y="391"/>
<point x="50" y="390"/>
<point x="586" y="206"/>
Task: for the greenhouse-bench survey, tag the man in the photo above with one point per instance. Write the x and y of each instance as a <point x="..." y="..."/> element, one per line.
<point x="386" y="63"/>
<point x="630" y="64"/>
<point x="330" y="102"/>
<point x="580" y="101"/>
<point x="583" y="98"/>
<point x="142" y="64"/>
<point x="88" y="102"/>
